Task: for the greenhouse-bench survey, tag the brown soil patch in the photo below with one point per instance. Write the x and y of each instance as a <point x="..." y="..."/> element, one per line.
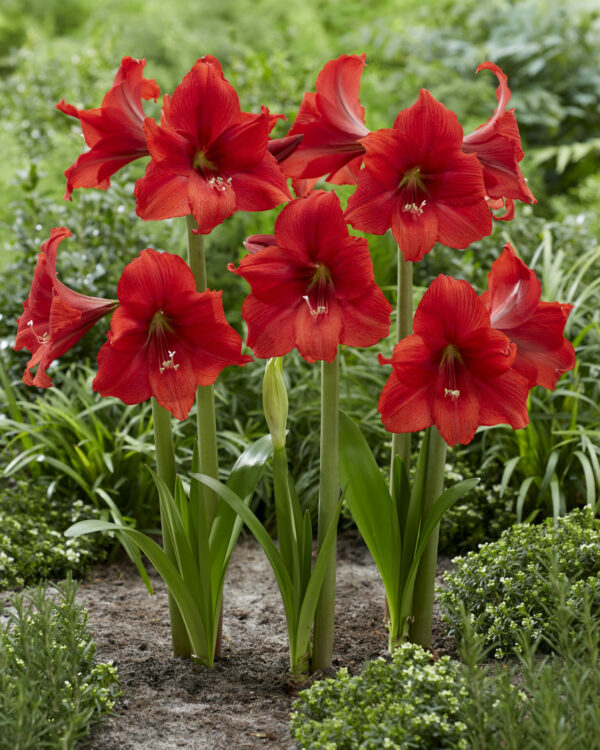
<point x="243" y="702"/>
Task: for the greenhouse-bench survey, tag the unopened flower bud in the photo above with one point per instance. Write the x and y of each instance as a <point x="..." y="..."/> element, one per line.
<point x="275" y="401"/>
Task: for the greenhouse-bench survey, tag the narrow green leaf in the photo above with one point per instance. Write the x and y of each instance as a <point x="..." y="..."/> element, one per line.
<point x="260" y="534"/>
<point x="369" y="501"/>
<point x="167" y="571"/>
<point x="509" y="468"/>
<point x="401" y="492"/>
<point x="522" y="496"/>
<point x="413" y="516"/>
<point x="311" y="595"/>
<point x="590" y="484"/>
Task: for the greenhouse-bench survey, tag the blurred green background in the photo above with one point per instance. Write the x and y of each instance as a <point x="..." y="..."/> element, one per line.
<point x="271" y="52"/>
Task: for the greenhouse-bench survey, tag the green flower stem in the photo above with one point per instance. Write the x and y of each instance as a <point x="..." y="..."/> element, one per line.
<point x="205" y="406"/>
<point x="328" y="499"/>
<point x="205" y="400"/>
<point x="401" y="442"/>
<point x="165" y="461"/>
<point x="420" y="631"/>
<point x="286" y="529"/>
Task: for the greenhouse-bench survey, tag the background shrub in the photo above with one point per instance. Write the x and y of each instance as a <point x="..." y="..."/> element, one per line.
<point x="32" y="542"/>
<point x="507" y="586"/>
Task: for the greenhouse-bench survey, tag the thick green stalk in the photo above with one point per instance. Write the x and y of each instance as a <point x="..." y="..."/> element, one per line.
<point x="205" y="401"/>
<point x="420" y="631"/>
<point x="328" y="499"/>
<point x="286" y="529"/>
<point x="205" y="410"/>
<point x="165" y="462"/>
<point x="401" y="442"/>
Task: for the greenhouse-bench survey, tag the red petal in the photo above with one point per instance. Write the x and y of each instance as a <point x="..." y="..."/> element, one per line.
<point x="366" y="319"/>
<point x="240" y="147"/>
<point x="456" y="418"/>
<point x="415" y="234"/>
<point x="312" y="225"/>
<point x="278" y="276"/>
<point x="514" y="291"/>
<point x="204" y="104"/>
<point x="414" y="362"/>
<point x="160" y="194"/>
<point x="459" y="226"/>
<point x="151" y="280"/>
<point x="210" y="203"/>
<point x="123" y="374"/>
<point x="261" y="187"/>
<point x="371" y="207"/>
<point x="337" y="98"/>
<point x="166" y="145"/>
<point x="448" y="311"/>
<point x="404" y="408"/>
<point x="318" y="336"/>
<point x="503" y="400"/>
<point x="429" y="125"/>
<point x="271" y="330"/>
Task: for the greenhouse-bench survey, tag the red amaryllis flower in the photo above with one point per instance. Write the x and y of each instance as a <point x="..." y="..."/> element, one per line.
<point x="332" y="122"/>
<point x="209" y="158"/>
<point x="537" y="328"/>
<point x="314" y="287"/>
<point x="165" y="338"/>
<point x="114" y="132"/>
<point x="417" y="180"/>
<point x="497" y="145"/>
<point x="54" y="317"/>
<point x="455" y="371"/>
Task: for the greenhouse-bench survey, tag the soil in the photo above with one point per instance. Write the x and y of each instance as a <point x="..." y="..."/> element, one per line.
<point x="244" y="701"/>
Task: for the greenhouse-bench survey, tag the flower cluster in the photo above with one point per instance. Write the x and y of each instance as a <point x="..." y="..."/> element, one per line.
<point x="470" y="361"/>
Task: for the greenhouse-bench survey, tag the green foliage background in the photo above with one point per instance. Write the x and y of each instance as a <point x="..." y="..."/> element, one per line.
<point x="272" y="52"/>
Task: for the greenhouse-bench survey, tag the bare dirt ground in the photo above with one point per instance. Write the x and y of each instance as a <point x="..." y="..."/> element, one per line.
<point x="243" y="702"/>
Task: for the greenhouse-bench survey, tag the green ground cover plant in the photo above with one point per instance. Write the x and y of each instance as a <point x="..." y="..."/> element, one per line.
<point x="508" y="586"/>
<point x="32" y="541"/>
<point x="51" y="686"/>
<point x="414" y="701"/>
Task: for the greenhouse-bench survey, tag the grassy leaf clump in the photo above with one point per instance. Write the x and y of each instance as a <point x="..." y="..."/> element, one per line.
<point x="51" y="687"/>
<point x="507" y="586"/>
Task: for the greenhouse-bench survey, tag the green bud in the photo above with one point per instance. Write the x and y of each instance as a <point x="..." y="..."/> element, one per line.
<point x="275" y="401"/>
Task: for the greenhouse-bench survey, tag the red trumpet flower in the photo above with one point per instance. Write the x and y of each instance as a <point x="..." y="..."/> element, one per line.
<point x="54" y="317"/>
<point x="312" y="288"/>
<point x="417" y="180"/>
<point x="209" y="158"/>
<point x="114" y="132"/>
<point x="332" y="122"/>
<point x="165" y="338"/>
<point x="497" y="145"/>
<point x="537" y="328"/>
<point x="456" y="371"/>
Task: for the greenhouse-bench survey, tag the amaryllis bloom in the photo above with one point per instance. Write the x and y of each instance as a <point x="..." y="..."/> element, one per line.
<point x="455" y="371"/>
<point x="417" y="180"/>
<point x="114" y="132"/>
<point x="165" y="338"/>
<point x="54" y="317"/>
<point x="209" y="158"/>
<point x="332" y="122"/>
<point x="497" y="145"/>
<point x="537" y="328"/>
<point x="314" y="287"/>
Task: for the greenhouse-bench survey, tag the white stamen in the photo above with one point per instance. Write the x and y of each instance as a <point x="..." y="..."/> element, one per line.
<point x="321" y="309"/>
<point x="30" y="323"/>
<point x="412" y="208"/>
<point x="454" y="394"/>
<point x="169" y="364"/>
<point x="218" y="183"/>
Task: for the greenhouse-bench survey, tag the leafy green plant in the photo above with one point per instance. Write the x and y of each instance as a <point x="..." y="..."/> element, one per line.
<point x="537" y="702"/>
<point x="195" y="554"/>
<point x="32" y="542"/>
<point x="409" y="701"/>
<point x="506" y="587"/>
<point x="51" y="686"/>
